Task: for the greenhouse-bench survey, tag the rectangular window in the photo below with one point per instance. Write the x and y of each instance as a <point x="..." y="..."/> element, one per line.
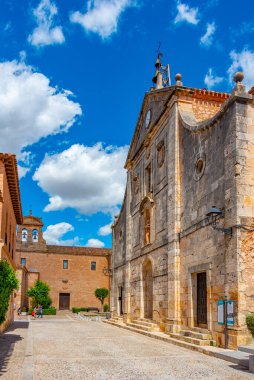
<point x="93" y="265"/>
<point x="148" y="178"/>
<point x="23" y="261"/>
<point x="65" y="264"/>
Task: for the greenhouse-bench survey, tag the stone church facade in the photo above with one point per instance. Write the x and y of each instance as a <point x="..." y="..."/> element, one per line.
<point x="172" y="263"/>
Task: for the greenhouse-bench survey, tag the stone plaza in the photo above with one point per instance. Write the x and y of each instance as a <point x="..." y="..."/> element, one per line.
<point x="64" y="347"/>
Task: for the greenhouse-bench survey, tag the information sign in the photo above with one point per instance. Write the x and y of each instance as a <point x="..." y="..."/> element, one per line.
<point x="230" y="313"/>
<point x="221" y="312"/>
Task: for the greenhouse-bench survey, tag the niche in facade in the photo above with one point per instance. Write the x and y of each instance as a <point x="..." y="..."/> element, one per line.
<point x="160" y="153"/>
<point x="199" y="166"/>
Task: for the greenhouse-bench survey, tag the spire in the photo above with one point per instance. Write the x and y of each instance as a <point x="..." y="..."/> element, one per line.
<point x="161" y="77"/>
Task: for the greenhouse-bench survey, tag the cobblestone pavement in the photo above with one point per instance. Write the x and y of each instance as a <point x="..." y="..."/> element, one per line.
<point x="66" y="348"/>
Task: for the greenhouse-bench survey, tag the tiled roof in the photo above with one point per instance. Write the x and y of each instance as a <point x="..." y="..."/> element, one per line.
<point x="60" y="249"/>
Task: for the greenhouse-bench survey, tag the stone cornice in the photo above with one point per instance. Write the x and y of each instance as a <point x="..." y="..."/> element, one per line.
<point x="11" y="170"/>
<point x="190" y="123"/>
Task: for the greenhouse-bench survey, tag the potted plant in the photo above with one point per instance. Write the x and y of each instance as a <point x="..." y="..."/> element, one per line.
<point x="24" y="310"/>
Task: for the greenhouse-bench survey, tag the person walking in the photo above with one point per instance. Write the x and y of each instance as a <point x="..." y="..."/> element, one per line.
<point x="40" y="312"/>
<point x="19" y="311"/>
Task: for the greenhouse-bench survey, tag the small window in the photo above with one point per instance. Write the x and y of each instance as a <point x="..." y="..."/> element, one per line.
<point x="35" y="236"/>
<point x="93" y="265"/>
<point x="24" y="234"/>
<point x="23" y="261"/>
<point x="65" y="264"/>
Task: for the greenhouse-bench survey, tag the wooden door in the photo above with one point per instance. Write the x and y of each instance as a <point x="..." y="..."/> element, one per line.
<point x="64" y="301"/>
<point x="201" y="299"/>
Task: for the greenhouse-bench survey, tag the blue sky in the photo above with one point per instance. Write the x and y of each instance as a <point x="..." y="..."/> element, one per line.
<point x="72" y="78"/>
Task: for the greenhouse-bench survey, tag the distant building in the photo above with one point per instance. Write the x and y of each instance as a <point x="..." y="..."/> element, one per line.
<point x="72" y="273"/>
<point x="173" y="261"/>
<point x="10" y="216"/>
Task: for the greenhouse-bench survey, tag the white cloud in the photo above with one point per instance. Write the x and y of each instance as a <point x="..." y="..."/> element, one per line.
<point x="243" y="61"/>
<point x="105" y="230"/>
<point x="54" y="233"/>
<point x="22" y="171"/>
<point x="31" y="107"/>
<point x="46" y="33"/>
<point x="88" y="179"/>
<point x="186" y="13"/>
<point x="95" y="243"/>
<point x="102" y="16"/>
<point x="207" y="38"/>
<point x="212" y="80"/>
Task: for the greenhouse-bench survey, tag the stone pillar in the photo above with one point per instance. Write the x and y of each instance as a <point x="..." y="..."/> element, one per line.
<point x="173" y="220"/>
<point x="127" y="272"/>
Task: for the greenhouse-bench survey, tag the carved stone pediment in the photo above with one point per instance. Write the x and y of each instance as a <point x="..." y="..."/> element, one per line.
<point x="147" y="202"/>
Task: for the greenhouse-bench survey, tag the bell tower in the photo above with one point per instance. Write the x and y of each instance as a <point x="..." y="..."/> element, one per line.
<point x="30" y="235"/>
<point x="161" y="77"/>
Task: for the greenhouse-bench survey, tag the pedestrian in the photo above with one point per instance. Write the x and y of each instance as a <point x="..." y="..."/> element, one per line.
<point x="40" y="312"/>
<point x="33" y="314"/>
<point x="19" y="311"/>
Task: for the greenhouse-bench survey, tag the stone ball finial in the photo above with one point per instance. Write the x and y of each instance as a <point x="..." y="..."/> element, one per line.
<point x="178" y="77"/>
<point x="238" y="77"/>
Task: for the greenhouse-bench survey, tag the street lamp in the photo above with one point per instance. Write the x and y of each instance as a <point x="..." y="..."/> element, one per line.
<point x="107" y="272"/>
<point x="214" y="213"/>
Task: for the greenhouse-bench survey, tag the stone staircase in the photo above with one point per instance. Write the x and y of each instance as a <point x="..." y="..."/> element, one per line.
<point x="117" y="319"/>
<point x="195" y="335"/>
<point x="143" y="324"/>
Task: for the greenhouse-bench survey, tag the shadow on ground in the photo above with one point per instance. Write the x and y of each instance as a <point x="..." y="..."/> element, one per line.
<point x="7" y="344"/>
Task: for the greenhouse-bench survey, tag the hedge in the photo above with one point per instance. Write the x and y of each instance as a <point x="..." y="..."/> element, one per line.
<point x="49" y="311"/>
<point x="78" y="309"/>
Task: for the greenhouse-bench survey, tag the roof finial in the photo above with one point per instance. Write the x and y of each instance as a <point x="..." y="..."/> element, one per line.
<point x="178" y="79"/>
<point x="30" y="210"/>
<point x="239" y="86"/>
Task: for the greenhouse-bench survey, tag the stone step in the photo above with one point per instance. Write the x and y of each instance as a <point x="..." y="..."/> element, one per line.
<point x="141" y="327"/>
<point x="196" y="335"/>
<point x="248" y="349"/>
<point x="144" y="323"/>
<point x="116" y="320"/>
<point x="200" y="330"/>
<point x="197" y="342"/>
<point x="146" y="320"/>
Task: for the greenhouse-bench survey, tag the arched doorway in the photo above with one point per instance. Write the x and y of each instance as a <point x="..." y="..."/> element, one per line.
<point x="148" y="289"/>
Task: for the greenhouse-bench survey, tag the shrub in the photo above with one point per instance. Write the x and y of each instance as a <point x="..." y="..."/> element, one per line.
<point x="8" y="282"/>
<point x="78" y="309"/>
<point x="250" y="323"/>
<point x="40" y="295"/>
<point x="105" y="308"/>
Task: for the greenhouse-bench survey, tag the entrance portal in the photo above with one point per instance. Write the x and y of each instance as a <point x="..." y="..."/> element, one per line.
<point x="120" y="300"/>
<point x="148" y="289"/>
<point x="64" y="301"/>
<point x="201" y="299"/>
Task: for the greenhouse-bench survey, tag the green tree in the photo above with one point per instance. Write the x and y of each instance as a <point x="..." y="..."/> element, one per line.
<point x="40" y="295"/>
<point x="8" y="282"/>
<point x="101" y="294"/>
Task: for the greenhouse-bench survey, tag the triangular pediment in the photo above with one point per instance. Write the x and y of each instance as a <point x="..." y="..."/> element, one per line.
<point x="151" y="109"/>
<point x="32" y="221"/>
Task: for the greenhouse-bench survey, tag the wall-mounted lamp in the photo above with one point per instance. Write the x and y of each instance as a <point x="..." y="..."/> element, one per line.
<point x="107" y="272"/>
<point x="215" y="212"/>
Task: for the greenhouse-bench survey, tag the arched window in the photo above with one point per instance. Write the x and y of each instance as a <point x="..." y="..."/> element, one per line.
<point x="35" y="236"/>
<point x="24" y="234"/>
<point x="147" y="226"/>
